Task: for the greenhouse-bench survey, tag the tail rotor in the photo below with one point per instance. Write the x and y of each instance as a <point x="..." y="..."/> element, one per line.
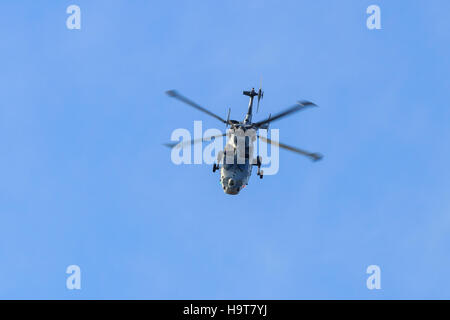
<point x="260" y="95"/>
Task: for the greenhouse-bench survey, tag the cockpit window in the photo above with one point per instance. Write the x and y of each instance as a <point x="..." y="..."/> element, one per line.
<point x="240" y="167"/>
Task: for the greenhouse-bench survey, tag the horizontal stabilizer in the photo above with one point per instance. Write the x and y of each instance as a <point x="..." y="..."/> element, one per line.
<point x="250" y="93"/>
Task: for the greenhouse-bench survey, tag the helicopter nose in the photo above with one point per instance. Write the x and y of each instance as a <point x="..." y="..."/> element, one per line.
<point x="231" y="191"/>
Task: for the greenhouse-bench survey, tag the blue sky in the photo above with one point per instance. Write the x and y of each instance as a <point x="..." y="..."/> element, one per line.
<point x="85" y="180"/>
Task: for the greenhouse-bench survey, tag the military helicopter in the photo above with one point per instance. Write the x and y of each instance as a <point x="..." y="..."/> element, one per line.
<point x="236" y="160"/>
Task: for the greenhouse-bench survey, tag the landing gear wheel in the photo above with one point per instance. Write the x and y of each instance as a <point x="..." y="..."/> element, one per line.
<point x="215" y="167"/>
<point x="260" y="173"/>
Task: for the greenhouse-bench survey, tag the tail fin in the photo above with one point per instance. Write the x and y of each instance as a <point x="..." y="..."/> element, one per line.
<point x="250" y="93"/>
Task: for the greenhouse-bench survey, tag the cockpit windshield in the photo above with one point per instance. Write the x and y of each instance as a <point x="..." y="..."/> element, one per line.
<point x="241" y="167"/>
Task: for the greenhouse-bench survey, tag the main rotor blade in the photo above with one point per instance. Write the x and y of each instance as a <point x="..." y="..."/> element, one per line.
<point x="312" y="156"/>
<point x="175" y="94"/>
<point x="297" y="107"/>
<point x="180" y="145"/>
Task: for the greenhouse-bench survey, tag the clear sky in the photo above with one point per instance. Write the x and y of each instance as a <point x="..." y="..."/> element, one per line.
<point x="85" y="180"/>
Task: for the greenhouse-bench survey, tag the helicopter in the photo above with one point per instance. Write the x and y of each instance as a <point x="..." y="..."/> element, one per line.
<point x="236" y="161"/>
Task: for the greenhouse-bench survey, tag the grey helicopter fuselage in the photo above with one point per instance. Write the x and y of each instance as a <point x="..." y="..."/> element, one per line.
<point x="237" y="158"/>
<point x="236" y="162"/>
